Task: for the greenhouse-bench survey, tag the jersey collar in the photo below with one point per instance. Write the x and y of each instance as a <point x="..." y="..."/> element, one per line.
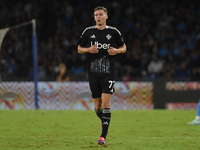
<point x="105" y="28"/>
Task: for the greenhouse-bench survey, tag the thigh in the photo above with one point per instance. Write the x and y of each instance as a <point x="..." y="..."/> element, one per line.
<point x="107" y="83"/>
<point x="94" y="86"/>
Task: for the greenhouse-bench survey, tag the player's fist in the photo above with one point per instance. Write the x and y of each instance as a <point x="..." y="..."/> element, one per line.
<point x="112" y="51"/>
<point x="93" y="49"/>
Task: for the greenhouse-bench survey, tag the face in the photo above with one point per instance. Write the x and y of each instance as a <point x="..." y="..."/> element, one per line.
<point x="100" y="17"/>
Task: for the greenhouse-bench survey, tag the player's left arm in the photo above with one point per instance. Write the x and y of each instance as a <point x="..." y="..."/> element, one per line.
<point x="114" y="51"/>
<point x="118" y="39"/>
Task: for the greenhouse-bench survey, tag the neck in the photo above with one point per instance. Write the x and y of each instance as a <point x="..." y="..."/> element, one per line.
<point x="101" y="27"/>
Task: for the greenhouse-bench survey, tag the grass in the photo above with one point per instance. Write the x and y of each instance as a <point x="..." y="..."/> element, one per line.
<point x="75" y="130"/>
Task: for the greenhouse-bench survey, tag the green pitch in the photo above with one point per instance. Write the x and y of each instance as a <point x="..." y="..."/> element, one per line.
<point x="75" y="130"/>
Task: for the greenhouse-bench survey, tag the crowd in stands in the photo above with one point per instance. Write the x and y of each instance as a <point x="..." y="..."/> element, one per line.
<point x="162" y="38"/>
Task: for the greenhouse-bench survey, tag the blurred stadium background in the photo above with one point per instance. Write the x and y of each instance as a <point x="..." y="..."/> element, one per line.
<point x="160" y="69"/>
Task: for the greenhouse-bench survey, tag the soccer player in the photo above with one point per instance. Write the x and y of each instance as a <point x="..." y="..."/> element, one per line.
<point x="196" y="121"/>
<point x="101" y="42"/>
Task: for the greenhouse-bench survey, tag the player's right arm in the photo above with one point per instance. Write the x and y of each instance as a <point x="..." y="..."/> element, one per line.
<point x="82" y="50"/>
<point x="82" y="42"/>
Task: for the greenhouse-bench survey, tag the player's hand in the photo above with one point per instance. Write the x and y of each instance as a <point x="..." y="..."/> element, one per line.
<point x="93" y="49"/>
<point x="112" y="51"/>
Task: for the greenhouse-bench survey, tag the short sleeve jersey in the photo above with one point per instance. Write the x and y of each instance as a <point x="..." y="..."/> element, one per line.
<point x="100" y="62"/>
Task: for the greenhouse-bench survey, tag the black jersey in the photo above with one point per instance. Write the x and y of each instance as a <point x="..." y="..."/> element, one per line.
<point x="101" y="62"/>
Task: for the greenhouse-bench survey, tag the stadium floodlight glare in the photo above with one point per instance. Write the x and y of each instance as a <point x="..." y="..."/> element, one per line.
<point x="34" y="46"/>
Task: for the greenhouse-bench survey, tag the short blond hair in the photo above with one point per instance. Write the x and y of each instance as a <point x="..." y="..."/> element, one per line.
<point x="101" y="8"/>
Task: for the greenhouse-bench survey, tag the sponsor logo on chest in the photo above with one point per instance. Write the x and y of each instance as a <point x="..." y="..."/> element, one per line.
<point x="100" y="45"/>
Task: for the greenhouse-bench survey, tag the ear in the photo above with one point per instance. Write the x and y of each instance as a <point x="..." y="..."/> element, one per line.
<point x="107" y="17"/>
